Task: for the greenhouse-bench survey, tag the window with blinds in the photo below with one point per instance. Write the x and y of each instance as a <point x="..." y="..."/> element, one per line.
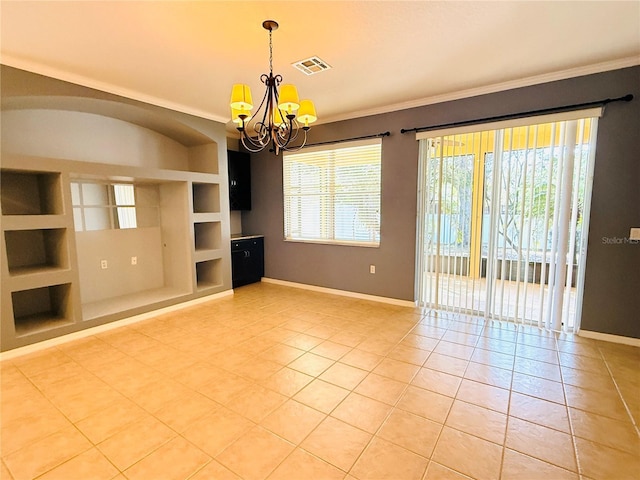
<point x="332" y="195"/>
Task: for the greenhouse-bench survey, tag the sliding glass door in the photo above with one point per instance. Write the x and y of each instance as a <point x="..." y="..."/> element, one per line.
<point x="503" y="217"/>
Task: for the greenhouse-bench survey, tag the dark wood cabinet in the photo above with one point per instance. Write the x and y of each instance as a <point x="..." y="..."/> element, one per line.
<point x="239" y="164"/>
<point x="247" y="260"/>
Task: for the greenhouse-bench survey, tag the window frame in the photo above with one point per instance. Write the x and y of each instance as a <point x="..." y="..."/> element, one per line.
<point x="327" y="195"/>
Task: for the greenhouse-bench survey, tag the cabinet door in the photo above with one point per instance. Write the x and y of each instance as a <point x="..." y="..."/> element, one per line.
<point x="247" y="261"/>
<point x="257" y="258"/>
<point x="239" y="164"/>
<point x="238" y="269"/>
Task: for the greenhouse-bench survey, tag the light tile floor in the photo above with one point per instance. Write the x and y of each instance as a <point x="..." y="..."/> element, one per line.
<point x="282" y="383"/>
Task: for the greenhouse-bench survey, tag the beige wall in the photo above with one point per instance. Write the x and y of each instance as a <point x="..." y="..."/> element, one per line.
<point x="236" y="222"/>
<point x="96" y="138"/>
<point x="120" y="277"/>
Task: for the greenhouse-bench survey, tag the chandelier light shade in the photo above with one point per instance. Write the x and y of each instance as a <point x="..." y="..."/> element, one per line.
<point x="307" y="112"/>
<point x="289" y="101"/>
<point x="241" y="98"/>
<point x="281" y="116"/>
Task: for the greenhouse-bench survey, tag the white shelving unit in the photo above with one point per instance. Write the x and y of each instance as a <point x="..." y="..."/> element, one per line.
<point x="207" y="253"/>
<point x="53" y="243"/>
<point x="45" y="260"/>
<point x="38" y="293"/>
<point x="52" y="252"/>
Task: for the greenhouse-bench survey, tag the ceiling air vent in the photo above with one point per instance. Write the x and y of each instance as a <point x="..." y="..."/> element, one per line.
<point x="312" y="65"/>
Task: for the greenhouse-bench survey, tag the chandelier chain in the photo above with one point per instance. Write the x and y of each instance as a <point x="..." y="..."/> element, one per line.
<point x="270" y="52"/>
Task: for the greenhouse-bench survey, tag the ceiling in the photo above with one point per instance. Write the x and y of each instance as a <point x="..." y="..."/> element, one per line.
<point x="385" y="55"/>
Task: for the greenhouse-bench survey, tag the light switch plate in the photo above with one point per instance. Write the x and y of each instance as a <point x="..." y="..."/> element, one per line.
<point x="634" y="234"/>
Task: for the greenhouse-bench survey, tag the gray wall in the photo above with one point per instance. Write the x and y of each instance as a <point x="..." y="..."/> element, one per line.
<point x="612" y="284"/>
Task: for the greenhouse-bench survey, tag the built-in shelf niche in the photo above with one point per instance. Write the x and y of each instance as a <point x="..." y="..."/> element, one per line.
<point x="31" y="193"/>
<point x="40" y="309"/>
<point x="209" y="274"/>
<point x="207" y="235"/>
<point x="32" y="251"/>
<point x="206" y="198"/>
<point x="204" y="158"/>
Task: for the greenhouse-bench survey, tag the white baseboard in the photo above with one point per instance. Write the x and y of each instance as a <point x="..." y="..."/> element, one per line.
<point x="344" y="293"/>
<point x="36" y="347"/>
<point x="607" y="337"/>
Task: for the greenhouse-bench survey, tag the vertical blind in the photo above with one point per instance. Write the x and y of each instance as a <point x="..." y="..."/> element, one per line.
<point x="503" y="219"/>
<point x="332" y="195"/>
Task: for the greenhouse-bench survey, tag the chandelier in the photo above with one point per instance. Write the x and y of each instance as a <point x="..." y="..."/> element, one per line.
<point x="279" y="118"/>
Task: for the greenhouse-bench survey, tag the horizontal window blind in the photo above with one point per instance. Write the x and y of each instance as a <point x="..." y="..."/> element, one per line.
<point x="332" y="195"/>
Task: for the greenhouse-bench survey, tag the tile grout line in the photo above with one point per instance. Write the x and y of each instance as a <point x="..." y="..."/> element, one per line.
<point x="615" y="383"/>
<point x="123" y="427"/>
<point x="326" y="415"/>
<point x="440" y="339"/>
<point x="373" y="436"/>
<point x="506" y="427"/>
<point x="429" y="459"/>
<point x="570" y="420"/>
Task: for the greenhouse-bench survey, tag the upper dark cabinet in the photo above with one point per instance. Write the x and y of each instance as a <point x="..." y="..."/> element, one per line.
<point x="239" y="180"/>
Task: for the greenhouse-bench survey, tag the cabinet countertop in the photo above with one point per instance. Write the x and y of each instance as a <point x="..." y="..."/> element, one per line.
<point x="244" y="237"/>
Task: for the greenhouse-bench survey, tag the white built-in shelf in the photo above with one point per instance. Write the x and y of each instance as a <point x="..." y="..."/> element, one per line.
<point x="209" y="274"/>
<point x="30" y="193"/>
<point x="35" y="270"/>
<point x="206" y="198"/>
<point x="39" y="309"/>
<point x="207" y="235"/>
<point x="49" y="271"/>
<point x="36" y="250"/>
<point x="110" y="306"/>
<point x="33" y="324"/>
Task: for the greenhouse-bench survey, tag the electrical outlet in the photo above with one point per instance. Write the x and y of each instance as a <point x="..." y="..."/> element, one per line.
<point x="103" y="264"/>
<point x="372" y="269"/>
<point x="134" y="260"/>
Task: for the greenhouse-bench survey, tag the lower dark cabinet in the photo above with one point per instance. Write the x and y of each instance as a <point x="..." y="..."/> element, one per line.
<point x="247" y="260"/>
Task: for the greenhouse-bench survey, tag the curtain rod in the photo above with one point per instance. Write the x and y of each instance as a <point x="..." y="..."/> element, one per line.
<point x="512" y="116"/>
<point x="364" y="137"/>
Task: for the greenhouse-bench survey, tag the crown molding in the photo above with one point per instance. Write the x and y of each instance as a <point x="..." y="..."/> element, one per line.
<point x="493" y="88"/>
<point x="84" y="81"/>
